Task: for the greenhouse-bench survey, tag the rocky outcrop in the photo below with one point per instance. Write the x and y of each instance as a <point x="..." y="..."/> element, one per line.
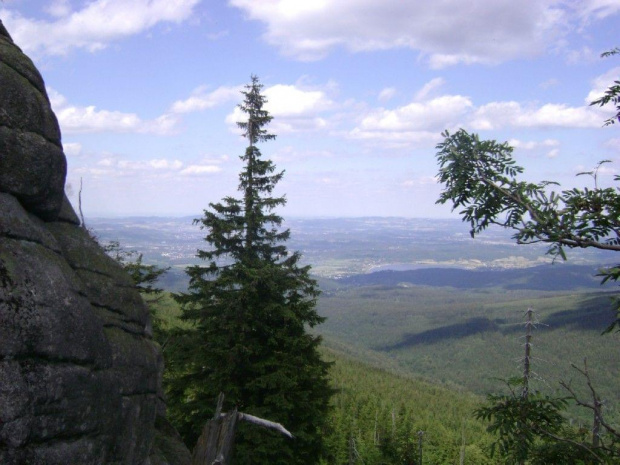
<point x="80" y="377"/>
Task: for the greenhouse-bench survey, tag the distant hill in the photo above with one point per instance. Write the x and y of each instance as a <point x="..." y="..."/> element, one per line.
<point x="559" y="277"/>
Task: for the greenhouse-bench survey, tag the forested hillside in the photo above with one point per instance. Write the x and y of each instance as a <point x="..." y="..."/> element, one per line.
<point x="383" y="418"/>
<point x="409" y="359"/>
<point x="377" y="414"/>
<point x="470" y="337"/>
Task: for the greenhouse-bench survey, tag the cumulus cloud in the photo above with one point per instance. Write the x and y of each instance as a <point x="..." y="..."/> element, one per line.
<point x="293" y="108"/>
<point x="419" y="122"/>
<point x="550" y="147"/>
<point x="93" y="25"/>
<point x="113" y="166"/>
<point x="431" y="115"/>
<point x="201" y="99"/>
<point x="291" y="101"/>
<point x="532" y="145"/>
<point x="76" y="119"/>
<point x="197" y="170"/>
<point x="447" y="32"/>
<point x="496" y="115"/>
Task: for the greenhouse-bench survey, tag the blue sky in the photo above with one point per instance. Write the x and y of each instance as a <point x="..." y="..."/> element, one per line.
<point x="360" y="90"/>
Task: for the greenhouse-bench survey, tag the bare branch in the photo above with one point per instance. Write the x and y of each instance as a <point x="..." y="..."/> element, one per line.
<point x="570" y="441"/>
<point x="265" y="423"/>
<point x="80" y="205"/>
<point x="595" y="396"/>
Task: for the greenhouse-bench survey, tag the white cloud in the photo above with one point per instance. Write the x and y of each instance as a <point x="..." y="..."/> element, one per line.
<point x="443" y="60"/>
<point x="159" y="164"/>
<point x="293" y="108"/>
<point x="583" y="55"/>
<point x="92" y="26"/>
<point x="76" y="119"/>
<point x="163" y="164"/>
<point x="496" y="115"/>
<point x="421" y="181"/>
<point x="421" y="121"/>
<point x="429" y="88"/>
<point x="396" y="139"/>
<point x="287" y="100"/>
<point x="386" y="94"/>
<point x="418" y="123"/>
<point x="447" y="32"/>
<point x="113" y="166"/>
<point x="58" y="8"/>
<point x="72" y="149"/>
<point x="550" y="147"/>
<point x="107" y="162"/>
<point x="201" y="100"/>
<point x="532" y="145"/>
<point x="197" y="170"/>
<point x="553" y="153"/>
<point x="431" y="115"/>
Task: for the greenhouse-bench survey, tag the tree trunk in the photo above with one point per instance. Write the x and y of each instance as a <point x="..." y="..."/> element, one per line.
<point x="215" y="445"/>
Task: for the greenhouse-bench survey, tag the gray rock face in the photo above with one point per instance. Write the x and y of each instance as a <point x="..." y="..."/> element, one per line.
<point x="32" y="163"/>
<point x="80" y="377"/>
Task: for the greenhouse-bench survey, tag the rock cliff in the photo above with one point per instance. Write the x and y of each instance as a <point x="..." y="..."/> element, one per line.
<point x="80" y="377"/>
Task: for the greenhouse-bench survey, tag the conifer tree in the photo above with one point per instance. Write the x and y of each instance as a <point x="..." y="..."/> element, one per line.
<point x="252" y="305"/>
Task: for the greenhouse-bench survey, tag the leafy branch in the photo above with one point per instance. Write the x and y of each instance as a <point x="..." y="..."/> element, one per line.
<point x="480" y="178"/>
<point x="612" y="94"/>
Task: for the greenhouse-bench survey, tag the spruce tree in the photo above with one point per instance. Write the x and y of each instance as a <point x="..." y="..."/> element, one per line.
<point x="252" y="305"/>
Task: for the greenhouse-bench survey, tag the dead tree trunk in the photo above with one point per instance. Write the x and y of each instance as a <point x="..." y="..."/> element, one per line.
<point x="216" y="443"/>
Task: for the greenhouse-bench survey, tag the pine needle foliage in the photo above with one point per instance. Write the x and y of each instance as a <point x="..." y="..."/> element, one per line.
<point x="251" y="306"/>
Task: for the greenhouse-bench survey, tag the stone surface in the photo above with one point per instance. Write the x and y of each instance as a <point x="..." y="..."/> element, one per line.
<point x="32" y="164"/>
<point x="168" y="448"/>
<point x="80" y="376"/>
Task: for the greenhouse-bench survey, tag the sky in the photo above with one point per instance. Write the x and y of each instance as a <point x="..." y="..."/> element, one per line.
<point x="145" y="92"/>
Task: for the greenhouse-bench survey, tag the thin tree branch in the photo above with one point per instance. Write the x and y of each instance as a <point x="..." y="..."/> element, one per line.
<point x="570" y="441"/>
<point x="570" y="241"/>
<point x="265" y="423"/>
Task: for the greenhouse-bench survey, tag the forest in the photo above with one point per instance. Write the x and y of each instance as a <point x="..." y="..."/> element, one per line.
<point x="396" y="248"/>
<point x="390" y="366"/>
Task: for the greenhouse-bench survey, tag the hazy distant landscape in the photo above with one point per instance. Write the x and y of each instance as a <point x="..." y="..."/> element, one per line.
<point x="339" y="247"/>
<point x="420" y="297"/>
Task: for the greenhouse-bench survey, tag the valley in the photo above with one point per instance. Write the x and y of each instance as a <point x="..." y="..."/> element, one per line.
<point x="421" y="298"/>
